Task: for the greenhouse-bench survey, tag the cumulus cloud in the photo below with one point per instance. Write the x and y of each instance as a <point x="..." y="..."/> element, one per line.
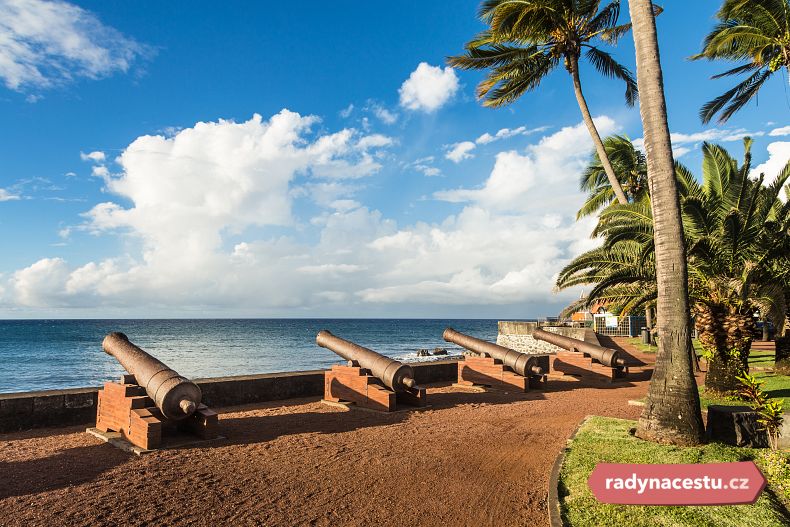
<point x="778" y="156"/>
<point x="46" y="43"/>
<point x="428" y="88"/>
<point x="540" y="178"/>
<point x="776" y="132"/>
<point x="7" y="196"/>
<point x="210" y="223"/>
<point x="460" y="151"/>
<point x="476" y="257"/>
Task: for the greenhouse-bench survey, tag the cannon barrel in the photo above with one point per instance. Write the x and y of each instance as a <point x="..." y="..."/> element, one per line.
<point x="606" y="356"/>
<point x="392" y="373"/>
<point x="521" y="363"/>
<point x="176" y="396"/>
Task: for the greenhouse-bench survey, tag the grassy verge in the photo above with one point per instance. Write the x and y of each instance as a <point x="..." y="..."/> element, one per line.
<point x="603" y="439"/>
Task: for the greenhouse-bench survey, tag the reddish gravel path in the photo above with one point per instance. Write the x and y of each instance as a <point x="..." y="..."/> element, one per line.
<point x="470" y="459"/>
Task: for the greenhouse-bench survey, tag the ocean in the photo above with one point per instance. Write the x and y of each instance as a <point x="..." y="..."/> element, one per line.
<point x="56" y="354"/>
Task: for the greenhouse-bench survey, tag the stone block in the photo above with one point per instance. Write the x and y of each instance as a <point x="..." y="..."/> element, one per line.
<point x="48" y="403"/>
<point x="10" y="407"/>
<point x="80" y="400"/>
<point x="735" y="425"/>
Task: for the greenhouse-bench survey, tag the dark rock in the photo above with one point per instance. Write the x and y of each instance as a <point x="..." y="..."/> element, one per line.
<point x="439" y="351"/>
<point x="735" y="425"/>
<point x="424" y="352"/>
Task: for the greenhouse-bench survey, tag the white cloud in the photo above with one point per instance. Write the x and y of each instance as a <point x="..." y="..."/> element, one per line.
<point x="428" y="88"/>
<point x="778" y="156"/>
<point x="45" y="43"/>
<point x="428" y="170"/>
<point x="505" y="133"/>
<point x="681" y="140"/>
<point x="345" y="113"/>
<point x="100" y="171"/>
<point x="477" y="257"/>
<point x="201" y="200"/>
<point x="384" y="115"/>
<point x="424" y="165"/>
<point x="96" y="156"/>
<point x="543" y="178"/>
<point x="460" y="151"/>
<point x="785" y="130"/>
<point x="7" y="196"/>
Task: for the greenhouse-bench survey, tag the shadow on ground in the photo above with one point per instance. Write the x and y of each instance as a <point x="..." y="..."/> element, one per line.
<point x="68" y="467"/>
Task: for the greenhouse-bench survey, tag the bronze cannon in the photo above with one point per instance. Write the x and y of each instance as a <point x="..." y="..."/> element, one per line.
<point x="606" y="356"/>
<point x="522" y="363"/>
<point x="395" y="375"/>
<point x="177" y="397"/>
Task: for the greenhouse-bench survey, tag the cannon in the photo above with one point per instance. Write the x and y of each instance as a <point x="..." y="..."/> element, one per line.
<point x="606" y="356"/>
<point x="151" y="400"/>
<point x="521" y="363"/>
<point x="522" y="370"/>
<point x="176" y="396"/>
<point x="590" y="357"/>
<point x="370" y="380"/>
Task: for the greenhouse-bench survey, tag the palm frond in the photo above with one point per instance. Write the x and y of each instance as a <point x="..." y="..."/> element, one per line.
<point x="606" y="65"/>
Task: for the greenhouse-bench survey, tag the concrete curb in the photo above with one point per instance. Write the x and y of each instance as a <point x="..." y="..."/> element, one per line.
<point x="555" y="511"/>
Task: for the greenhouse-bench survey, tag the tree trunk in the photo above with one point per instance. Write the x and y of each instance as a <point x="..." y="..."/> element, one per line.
<point x="599" y="148"/>
<point x="726" y="337"/>
<point x="672" y="411"/>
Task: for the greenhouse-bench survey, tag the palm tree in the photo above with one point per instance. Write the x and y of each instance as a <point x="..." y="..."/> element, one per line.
<point x="672" y="411"/>
<point x="740" y="243"/>
<point x="738" y="237"/>
<point x="755" y="31"/>
<point x="527" y="39"/>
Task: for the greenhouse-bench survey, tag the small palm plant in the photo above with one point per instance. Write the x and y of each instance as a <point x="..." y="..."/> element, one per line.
<point x="771" y="417"/>
<point x="751" y="390"/>
<point x="769" y="412"/>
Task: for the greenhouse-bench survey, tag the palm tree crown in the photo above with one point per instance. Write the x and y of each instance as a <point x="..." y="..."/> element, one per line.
<point x="630" y="166"/>
<point x="755" y="31"/>
<point x="527" y="39"/>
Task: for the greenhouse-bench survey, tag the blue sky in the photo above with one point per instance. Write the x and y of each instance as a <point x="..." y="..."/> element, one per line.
<point x="326" y="178"/>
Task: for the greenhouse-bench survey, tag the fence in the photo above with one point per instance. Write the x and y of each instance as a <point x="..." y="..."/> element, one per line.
<point x="614" y="326"/>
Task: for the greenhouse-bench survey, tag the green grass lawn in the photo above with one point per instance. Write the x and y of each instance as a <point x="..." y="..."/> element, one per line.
<point x="649" y="348"/>
<point x="775" y="386"/>
<point x="603" y="439"/>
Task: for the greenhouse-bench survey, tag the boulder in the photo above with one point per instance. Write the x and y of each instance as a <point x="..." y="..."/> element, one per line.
<point x="439" y="351"/>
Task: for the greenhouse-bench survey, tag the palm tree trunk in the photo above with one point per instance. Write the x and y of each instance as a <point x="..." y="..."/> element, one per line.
<point x="672" y="411"/>
<point x="599" y="148"/>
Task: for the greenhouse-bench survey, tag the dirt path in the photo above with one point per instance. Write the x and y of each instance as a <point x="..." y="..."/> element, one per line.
<point x="470" y="459"/>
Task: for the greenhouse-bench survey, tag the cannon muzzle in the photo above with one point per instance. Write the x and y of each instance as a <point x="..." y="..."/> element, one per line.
<point x="521" y="363"/>
<point x="393" y="374"/>
<point x="176" y="396"/>
<point x="606" y="356"/>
